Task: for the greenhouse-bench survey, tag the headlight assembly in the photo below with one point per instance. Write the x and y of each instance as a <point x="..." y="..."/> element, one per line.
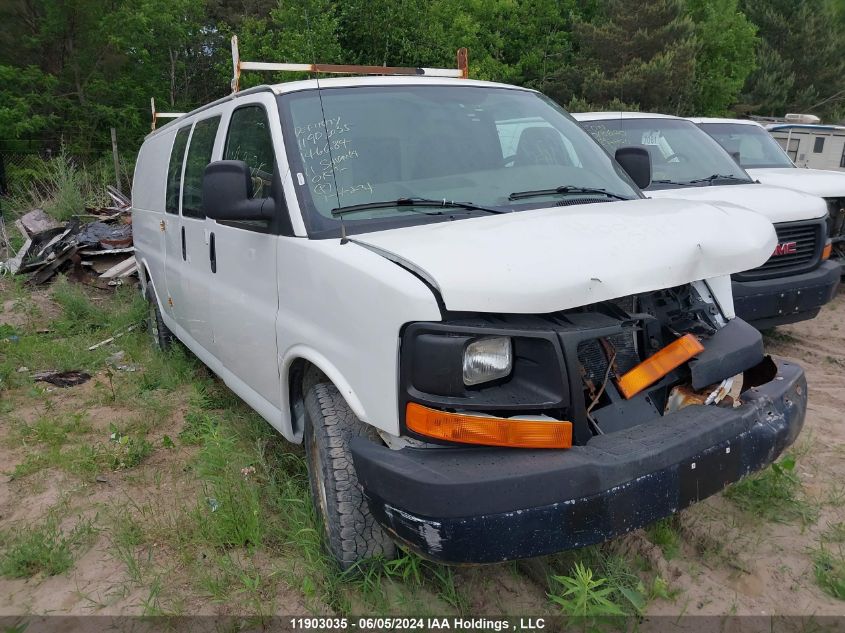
<point x="487" y="359"/>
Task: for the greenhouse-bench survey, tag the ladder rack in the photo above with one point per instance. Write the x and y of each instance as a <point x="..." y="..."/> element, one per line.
<point x="161" y="115"/>
<point x="238" y="65"/>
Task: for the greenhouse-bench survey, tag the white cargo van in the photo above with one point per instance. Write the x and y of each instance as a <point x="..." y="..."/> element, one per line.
<point x="797" y="279"/>
<point x="490" y="343"/>
<point x="765" y="160"/>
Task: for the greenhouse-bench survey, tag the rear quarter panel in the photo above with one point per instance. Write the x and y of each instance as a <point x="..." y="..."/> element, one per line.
<point x="148" y="193"/>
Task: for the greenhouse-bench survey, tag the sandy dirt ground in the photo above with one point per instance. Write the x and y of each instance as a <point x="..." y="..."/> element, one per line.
<point x="728" y="562"/>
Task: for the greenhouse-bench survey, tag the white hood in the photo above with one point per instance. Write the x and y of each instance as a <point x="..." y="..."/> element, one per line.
<point x="818" y="182"/>
<point x="776" y="203"/>
<point x="551" y="259"/>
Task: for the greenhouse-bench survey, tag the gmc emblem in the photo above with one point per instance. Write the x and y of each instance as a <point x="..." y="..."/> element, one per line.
<point x="786" y="248"/>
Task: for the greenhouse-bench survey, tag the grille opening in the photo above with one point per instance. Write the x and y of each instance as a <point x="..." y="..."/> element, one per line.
<point x="808" y="242"/>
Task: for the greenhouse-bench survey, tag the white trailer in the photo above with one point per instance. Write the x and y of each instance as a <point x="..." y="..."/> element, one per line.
<point x="814" y="146"/>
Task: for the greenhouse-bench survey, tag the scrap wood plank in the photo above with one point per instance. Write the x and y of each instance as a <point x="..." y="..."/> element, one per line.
<point x="14" y="264"/>
<point x="118" y="269"/>
<point x="111" y="338"/>
<point x="48" y="270"/>
<point x="112" y="251"/>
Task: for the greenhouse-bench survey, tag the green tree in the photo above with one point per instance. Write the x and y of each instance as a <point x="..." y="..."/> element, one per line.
<point x="801" y="66"/>
<point x="642" y="54"/>
<point x="726" y="54"/>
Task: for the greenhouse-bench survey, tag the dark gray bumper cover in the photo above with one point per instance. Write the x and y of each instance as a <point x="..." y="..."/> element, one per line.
<point x="487" y="505"/>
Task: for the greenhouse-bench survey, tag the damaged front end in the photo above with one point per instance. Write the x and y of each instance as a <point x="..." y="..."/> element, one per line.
<point x="665" y="400"/>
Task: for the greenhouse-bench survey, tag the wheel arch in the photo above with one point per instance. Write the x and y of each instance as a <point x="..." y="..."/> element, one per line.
<point x="301" y="368"/>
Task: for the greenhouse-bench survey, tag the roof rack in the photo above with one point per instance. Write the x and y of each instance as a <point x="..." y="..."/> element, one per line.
<point x="161" y="115"/>
<point x="238" y="65"/>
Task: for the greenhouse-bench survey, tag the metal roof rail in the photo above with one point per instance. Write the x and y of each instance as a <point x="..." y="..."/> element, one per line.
<point x="162" y="115"/>
<point x="238" y="65"/>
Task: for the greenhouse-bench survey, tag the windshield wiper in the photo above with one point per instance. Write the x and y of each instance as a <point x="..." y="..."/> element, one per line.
<point x="671" y="182"/>
<point x="519" y="195"/>
<point x="714" y="177"/>
<point x="401" y="203"/>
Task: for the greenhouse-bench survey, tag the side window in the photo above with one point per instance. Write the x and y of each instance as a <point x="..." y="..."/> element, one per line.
<point x="818" y="145"/>
<point x="249" y="140"/>
<point x="174" y="170"/>
<point x="199" y="156"/>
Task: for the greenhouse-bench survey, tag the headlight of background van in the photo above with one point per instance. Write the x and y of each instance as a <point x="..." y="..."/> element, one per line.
<point x="487" y="359"/>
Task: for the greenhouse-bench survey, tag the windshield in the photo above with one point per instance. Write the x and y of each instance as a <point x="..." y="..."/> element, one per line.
<point x="369" y="145"/>
<point x="755" y="145"/>
<point x="681" y="154"/>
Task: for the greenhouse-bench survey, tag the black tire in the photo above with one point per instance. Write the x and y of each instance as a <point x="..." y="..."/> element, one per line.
<point x="160" y="334"/>
<point x="350" y="532"/>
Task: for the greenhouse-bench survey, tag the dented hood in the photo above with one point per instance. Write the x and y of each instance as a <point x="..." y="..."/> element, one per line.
<point x="551" y="259"/>
<point x="776" y="203"/>
<point x="818" y="182"/>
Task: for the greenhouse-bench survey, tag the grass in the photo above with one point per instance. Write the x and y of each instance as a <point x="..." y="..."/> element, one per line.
<point x="829" y="561"/>
<point x="233" y="523"/>
<point x="775" y="494"/>
<point x="829" y="571"/>
<point x="43" y="548"/>
<point x="665" y="535"/>
<point x="63" y="187"/>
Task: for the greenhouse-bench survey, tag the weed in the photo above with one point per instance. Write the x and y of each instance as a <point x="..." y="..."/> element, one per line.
<point x="829" y="570"/>
<point x="664" y="534"/>
<point x="583" y="595"/>
<point x="63" y="188"/>
<point x="126" y="535"/>
<point x="124" y="451"/>
<point x="230" y="512"/>
<point x="780" y="336"/>
<point x="198" y="424"/>
<point x="774" y="494"/>
<point x="43" y="548"/>
<point x="835" y="533"/>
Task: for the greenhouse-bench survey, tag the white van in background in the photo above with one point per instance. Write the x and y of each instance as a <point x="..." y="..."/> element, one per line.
<point x="687" y="163"/>
<point x="764" y="159"/>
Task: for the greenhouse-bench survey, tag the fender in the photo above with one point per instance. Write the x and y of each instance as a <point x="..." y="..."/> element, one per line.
<point x="314" y="357"/>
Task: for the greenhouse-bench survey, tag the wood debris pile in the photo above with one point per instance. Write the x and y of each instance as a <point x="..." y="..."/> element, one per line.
<point x="99" y="252"/>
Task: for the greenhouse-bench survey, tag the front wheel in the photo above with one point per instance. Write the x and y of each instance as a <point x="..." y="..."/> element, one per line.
<point x="350" y="532"/>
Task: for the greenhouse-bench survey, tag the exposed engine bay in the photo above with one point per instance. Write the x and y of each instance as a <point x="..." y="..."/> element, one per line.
<point x="649" y="322"/>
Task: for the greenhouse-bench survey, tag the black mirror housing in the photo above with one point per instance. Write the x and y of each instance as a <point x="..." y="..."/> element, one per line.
<point x="636" y="161"/>
<point x="227" y="193"/>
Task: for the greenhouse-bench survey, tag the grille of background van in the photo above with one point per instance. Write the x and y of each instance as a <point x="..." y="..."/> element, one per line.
<point x="808" y="237"/>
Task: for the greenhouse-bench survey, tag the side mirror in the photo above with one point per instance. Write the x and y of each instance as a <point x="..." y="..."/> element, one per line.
<point x="636" y="161"/>
<point x="736" y="157"/>
<point x="227" y="193"/>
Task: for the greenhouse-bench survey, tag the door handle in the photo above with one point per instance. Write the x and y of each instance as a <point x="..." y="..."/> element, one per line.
<point x="184" y="251"/>
<point x="212" y="253"/>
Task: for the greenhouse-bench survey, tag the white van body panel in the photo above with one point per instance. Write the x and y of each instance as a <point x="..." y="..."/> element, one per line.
<point x="817" y="182"/>
<point x="342" y="307"/>
<point x="597" y="251"/>
<point x="778" y="204"/>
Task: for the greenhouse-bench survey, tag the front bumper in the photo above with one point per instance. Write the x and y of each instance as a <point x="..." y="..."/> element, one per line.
<point x="770" y="302"/>
<point x="479" y="505"/>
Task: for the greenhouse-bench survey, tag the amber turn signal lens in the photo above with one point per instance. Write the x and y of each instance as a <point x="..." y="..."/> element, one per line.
<point x="471" y="429"/>
<point x="828" y="249"/>
<point x="661" y="363"/>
